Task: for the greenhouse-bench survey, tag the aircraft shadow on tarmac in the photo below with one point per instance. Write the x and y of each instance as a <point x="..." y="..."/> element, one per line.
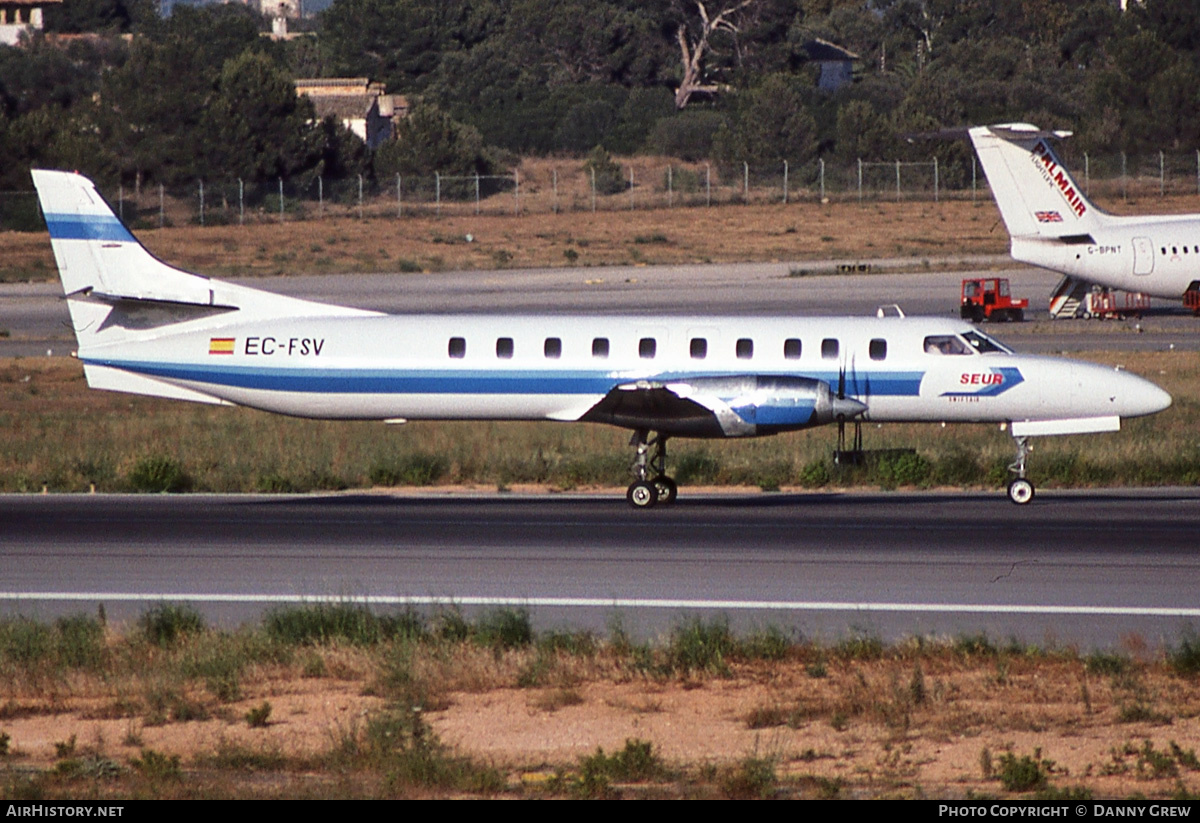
<point x="747" y="501"/>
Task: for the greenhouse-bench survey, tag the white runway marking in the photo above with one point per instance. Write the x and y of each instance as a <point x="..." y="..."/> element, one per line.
<point x="601" y="602"/>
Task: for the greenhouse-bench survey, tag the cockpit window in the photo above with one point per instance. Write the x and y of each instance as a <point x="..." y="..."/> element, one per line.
<point x="946" y="344"/>
<point x="984" y="344"/>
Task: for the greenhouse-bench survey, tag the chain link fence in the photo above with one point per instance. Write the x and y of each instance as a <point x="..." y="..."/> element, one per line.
<point x="544" y="187"/>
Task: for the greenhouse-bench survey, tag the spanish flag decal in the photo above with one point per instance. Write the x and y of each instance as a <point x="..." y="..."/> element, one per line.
<point x="221" y="345"/>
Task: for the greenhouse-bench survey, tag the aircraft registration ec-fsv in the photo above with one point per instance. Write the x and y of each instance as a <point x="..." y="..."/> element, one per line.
<point x="148" y="328"/>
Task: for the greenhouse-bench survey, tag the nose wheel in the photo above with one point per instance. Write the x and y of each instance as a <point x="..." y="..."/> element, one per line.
<point x="1020" y="490"/>
<point x="652" y="486"/>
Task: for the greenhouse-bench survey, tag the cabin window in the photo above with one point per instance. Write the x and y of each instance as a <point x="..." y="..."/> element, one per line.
<point x="829" y="348"/>
<point x="458" y="347"/>
<point x="600" y="347"/>
<point x="553" y="348"/>
<point x="504" y="348"/>
<point x="699" y="348"/>
<point x="647" y="348"/>
<point x="745" y="348"/>
<point x="878" y="349"/>
<point x="791" y="348"/>
<point x="946" y="344"/>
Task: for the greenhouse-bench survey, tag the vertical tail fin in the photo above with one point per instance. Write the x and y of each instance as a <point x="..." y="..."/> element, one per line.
<point x="96" y="253"/>
<point x="117" y="290"/>
<point x="1035" y="193"/>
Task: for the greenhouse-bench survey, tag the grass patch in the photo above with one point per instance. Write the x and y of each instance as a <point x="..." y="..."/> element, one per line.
<point x="884" y="697"/>
<point x="324" y="623"/>
<point x="166" y="623"/>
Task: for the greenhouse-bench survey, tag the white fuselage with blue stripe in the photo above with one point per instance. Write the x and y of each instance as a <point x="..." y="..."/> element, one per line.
<point x="412" y="367"/>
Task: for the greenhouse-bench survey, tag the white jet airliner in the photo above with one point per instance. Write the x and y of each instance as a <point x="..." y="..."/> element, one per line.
<point x="148" y="328"/>
<point x="1052" y="223"/>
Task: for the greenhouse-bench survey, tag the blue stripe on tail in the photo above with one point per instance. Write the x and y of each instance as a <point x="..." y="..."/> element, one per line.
<point x="87" y="227"/>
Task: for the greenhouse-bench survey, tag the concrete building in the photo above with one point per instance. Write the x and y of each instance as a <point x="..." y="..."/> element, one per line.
<point x="17" y="16"/>
<point x="358" y="104"/>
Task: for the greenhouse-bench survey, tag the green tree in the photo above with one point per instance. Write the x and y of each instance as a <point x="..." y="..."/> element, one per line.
<point x="772" y="123"/>
<point x="401" y="42"/>
<point x="430" y="140"/>
<point x="863" y="133"/>
<point x="99" y="15"/>
<point x="260" y="129"/>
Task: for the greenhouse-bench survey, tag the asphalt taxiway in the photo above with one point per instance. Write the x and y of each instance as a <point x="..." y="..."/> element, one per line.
<point x="1085" y="568"/>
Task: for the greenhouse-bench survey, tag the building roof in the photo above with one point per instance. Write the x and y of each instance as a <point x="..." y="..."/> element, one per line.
<point x="337" y="85"/>
<point x="343" y="106"/>
<point x="822" y="50"/>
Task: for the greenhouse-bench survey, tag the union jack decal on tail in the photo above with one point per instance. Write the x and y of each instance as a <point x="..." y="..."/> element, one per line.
<point x="1048" y="216"/>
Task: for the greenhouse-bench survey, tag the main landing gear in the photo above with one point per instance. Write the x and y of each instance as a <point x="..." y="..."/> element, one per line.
<point x="1020" y="490"/>
<point x="652" y="485"/>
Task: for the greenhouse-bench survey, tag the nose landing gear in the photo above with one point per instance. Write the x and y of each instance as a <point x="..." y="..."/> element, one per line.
<point x="1020" y="490"/>
<point x="652" y="485"/>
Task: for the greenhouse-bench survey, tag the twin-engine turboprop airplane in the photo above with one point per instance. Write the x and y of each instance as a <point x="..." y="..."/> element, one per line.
<point x="1052" y="223"/>
<point x="147" y="328"/>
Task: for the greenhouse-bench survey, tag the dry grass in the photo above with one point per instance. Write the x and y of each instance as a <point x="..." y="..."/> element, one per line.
<point x="438" y="717"/>
<point x="680" y="236"/>
<point x="567" y="231"/>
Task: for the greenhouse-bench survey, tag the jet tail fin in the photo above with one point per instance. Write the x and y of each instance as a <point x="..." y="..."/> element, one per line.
<point x="1036" y="195"/>
<point x="96" y="253"/>
<point x="117" y="290"/>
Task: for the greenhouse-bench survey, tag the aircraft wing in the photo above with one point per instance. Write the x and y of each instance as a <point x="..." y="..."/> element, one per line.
<point x="723" y="406"/>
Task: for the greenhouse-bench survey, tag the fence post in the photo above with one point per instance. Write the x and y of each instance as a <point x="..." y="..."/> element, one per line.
<point x="897" y="181"/>
<point x="281" y="199"/>
<point x="860" y="179"/>
<point x="707" y="184"/>
<point x="593" y="188"/>
<point x="785" y="182"/>
<point x="1162" y="175"/>
<point x="1124" y="178"/>
<point x="477" y="192"/>
<point x="631" y="188"/>
<point x="554" y="179"/>
<point x="201" y="202"/>
<point x="1198" y="171"/>
<point x="935" y="179"/>
<point x="161" y="211"/>
<point x="437" y="193"/>
<point x="241" y="202"/>
<point x="399" y="196"/>
<point x="745" y="181"/>
<point x="1087" y="175"/>
<point x="972" y="177"/>
<point x="821" y="175"/>
<point x="670" y="188"/>
<point x="360" y="197"/>
<point x="516" y="192"/>
<point x="121" y="202"/>
<point x="320" y="196"/>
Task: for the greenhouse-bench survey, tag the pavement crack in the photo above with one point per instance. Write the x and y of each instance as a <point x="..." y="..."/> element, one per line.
<point x="1012" y="567"/>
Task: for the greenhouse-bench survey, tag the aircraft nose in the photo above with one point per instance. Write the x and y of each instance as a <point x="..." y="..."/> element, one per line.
<point x="1138" y="397"/>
